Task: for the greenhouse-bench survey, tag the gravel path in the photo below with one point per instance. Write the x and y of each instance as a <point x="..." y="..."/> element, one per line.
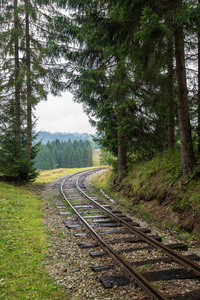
<point x="70" y="266"/>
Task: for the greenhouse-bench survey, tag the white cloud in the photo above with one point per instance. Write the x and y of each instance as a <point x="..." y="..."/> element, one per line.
<point x="62" y="114"/>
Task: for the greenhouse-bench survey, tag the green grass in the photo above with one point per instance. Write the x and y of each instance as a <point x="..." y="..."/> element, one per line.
<point x="23" y="247"/>
<point x="156" y="191"/>
<point x="24" y="242"/>
<point x="47" y="176"/>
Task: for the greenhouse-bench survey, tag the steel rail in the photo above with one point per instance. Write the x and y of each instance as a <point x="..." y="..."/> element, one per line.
<point x="138" y="277"/>
<point x="150" y="240"/>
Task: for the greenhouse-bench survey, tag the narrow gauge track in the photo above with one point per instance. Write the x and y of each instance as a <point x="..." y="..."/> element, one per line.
<point x="85" y="210"/>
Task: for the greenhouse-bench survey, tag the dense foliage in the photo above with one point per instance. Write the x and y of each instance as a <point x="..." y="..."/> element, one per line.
<point x="135" y="66"/>
<point x="128" y="67"/>
<point x="68" y="154"/>
<point x="28" y="73"/>
<point x="44" y="137"/>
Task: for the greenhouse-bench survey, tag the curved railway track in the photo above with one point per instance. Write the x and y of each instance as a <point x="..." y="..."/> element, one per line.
<point x="94" y="214"/>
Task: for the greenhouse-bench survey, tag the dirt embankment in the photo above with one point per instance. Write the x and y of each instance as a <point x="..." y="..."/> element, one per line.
<point x="176" y="206"/>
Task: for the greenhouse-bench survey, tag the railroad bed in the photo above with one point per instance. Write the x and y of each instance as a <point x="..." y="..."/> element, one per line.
<point x="127" y="254"/>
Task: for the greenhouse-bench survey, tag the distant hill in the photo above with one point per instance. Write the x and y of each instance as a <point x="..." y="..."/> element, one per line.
<point x="45" y="136"/>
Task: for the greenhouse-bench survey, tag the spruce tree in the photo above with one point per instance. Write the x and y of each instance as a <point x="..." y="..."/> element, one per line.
<point x="187" y="154"/>
<point x="88" y="157"/>
<point x="147" y="36"/>
<point x="25" y="27"/>
<point x="65" y="158"/>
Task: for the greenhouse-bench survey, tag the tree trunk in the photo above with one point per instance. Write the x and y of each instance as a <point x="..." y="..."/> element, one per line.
<point x="122" y="154"/>
<point x="17" y="83"/>
<point x="121" y="93"/>
<point x="187" y="154"/>
<point x="28" y="85"/>
<point x="170" y="91"/>
<point x="198" y="90"/>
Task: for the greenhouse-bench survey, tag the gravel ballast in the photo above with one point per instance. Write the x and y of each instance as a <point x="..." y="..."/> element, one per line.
<point x="70" y="266"/>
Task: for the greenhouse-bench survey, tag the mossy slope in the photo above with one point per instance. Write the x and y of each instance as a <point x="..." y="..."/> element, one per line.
<point x="155" y="189"/>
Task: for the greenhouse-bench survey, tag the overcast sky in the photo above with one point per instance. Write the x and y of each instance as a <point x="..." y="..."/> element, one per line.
<point x="62" y="114"/>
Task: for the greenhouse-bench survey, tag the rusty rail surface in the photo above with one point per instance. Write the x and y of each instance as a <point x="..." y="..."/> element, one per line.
<point x="150" y="290"/>
<point x="150" y="240"/>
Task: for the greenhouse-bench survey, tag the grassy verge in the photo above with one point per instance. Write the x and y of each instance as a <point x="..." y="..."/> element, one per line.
<point x="47" y="176"/>
<point x="155" y="190"/>
<point x="23" y="246"/>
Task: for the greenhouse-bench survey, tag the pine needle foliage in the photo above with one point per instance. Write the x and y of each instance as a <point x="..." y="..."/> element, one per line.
<point x="126" y="68"/>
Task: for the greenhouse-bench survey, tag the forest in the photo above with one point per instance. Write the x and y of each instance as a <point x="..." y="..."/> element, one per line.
<point x="44" y="137"/>
<point x="58" y="154"/>
<point x="134" y="65"/>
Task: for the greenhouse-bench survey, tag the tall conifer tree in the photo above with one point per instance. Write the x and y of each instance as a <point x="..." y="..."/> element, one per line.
<point x="187" y="154"/>
<point x="25" y="61"/>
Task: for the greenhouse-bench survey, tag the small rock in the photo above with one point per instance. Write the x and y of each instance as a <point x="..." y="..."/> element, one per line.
<point x="64" y="269"/>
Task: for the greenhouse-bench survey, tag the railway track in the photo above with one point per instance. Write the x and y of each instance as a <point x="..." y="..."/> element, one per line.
<point x="129" y="246"/>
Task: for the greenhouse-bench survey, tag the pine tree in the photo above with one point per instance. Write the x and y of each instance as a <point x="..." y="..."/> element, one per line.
<point x="65" y="158"/>
<point x="77" y="163"/>
<point x="187" y="154"/>
<point x="47" y="162"/>
<point x="170" y="94"/>
<point x="12" y="161"/>
<point x="147" y="36"/>
<point x="23" y="38"/>
<point x="88" y="157"/>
